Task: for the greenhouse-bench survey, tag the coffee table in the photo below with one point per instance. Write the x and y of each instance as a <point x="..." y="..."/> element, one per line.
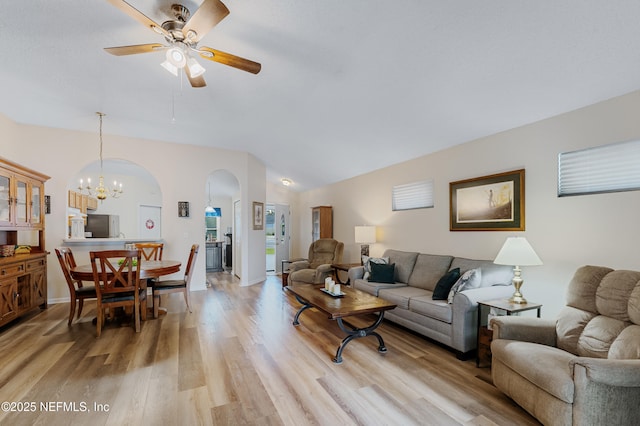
<point x="354" y="302"/>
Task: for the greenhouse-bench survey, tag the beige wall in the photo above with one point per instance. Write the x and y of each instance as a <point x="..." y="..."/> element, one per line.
<point x="566" y="232"/>
<point x="180" y="170"/>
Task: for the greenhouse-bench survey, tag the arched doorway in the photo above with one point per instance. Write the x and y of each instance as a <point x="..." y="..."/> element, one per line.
<point x="222" y="192"/>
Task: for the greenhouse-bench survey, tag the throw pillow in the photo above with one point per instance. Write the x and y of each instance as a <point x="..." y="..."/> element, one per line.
<point x="470" y="279"/>
<point x="383" y="273"/>
<point x="367" y="261"/>
<point x="443" y="287"/>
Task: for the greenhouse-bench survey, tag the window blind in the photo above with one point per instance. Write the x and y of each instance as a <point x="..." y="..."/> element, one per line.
<point x="416" y="195"/>
<point x="607" y="168"/>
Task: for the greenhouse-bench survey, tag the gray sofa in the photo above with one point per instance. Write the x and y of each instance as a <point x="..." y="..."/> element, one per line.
<point x="416" y="276"/>
<point x="584" y="367"/>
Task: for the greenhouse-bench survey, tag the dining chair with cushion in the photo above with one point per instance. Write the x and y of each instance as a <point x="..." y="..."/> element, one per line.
<point x="150" y="251"/>
<point x="116" y="274"/>
<point x="175" y="286"/>
<point x="78" y="292"/>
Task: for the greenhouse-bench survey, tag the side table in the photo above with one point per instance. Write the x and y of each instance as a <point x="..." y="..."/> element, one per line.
<point x="285" y="273"/>
<point x="343" y="267"/>
<point x="485" y="335"/>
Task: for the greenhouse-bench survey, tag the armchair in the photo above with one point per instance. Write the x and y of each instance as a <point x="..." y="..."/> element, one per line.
<point x="584" y="367"/>
<point x="322" y="253"/>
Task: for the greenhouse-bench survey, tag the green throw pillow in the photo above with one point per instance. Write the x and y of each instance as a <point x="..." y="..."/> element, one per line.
<point x="445" y="283"/>
<point x="381" y="273"/>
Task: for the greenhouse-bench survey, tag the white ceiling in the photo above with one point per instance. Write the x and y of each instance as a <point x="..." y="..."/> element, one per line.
<point x="346" y="86"/>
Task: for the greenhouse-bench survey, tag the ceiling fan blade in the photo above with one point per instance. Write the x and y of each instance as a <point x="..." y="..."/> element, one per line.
<point x="208" y="15"/>
<point x="139" y="16"/>
<point x="137" y="48"/>
<point x="231" y="60"/>
<point x="195" y="81"/>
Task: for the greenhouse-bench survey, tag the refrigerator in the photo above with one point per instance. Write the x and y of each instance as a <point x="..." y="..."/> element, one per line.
<point x="103" y="225"/>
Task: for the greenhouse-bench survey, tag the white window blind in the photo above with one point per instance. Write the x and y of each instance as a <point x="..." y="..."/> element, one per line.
<point x="417" y="195"/>
<point x="608" y="168"/>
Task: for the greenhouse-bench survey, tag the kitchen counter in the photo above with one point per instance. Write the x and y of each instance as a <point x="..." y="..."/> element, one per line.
<point x="107" y="241"/>
<point x="214" y="256"/>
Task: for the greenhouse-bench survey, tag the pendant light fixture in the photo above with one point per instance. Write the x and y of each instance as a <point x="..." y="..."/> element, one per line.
<point x="209" y="211"/>
<point x="101" y="192"/>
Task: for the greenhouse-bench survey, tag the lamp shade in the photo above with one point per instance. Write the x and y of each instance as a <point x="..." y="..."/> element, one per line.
<point x="517" y="251"/>
<point x="365" y="234"/>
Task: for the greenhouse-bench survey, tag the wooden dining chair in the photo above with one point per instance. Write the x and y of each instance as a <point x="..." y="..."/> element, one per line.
<point x="175" y="286"/>
<point x="150" y="251"/>
<point x="116" y="274"/>
<point x="78" y="292"/>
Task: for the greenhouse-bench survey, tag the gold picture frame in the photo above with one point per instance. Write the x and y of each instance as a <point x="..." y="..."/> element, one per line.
<point x="488" y="203"/>
<point x="258" y="216"/>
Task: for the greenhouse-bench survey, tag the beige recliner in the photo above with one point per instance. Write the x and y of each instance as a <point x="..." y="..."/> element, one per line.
<point x="322" y="253"/>
<point x="584" y="367"/>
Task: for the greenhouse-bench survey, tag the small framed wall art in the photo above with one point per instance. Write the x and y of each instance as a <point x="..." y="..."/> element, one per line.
<point x="258" y="215"/>
<point x="183" y="209"/>
<point x="488" y="203"/>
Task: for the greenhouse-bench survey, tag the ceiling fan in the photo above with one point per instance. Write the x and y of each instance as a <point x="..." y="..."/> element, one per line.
<point x="182" y="35"/>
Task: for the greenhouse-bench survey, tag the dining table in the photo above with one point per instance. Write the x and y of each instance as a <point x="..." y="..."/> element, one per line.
<point x="149" y="269"/>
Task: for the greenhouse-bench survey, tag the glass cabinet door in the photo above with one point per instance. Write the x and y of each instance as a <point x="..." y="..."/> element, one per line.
<point x="21" y="202"/>
<point x="36" y="206"/>
<point x="5" y="202"/>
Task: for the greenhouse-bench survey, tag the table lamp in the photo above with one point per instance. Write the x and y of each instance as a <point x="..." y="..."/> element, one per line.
<point x="365" y="235"/>
<point x="517" y="252"/>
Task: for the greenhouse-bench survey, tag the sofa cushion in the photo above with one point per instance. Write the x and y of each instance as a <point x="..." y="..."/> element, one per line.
<point x="303" y="275"/>
<point x="443" y="287"/>
<point x="581" y="292"/>
<point x="569" y="325"/>
<point x="627" y="344"/>
<point x="400" y="296"/>
<point x="598" y="335"/>
<point x="546" y="367"/>
<point x="367" y="261"/>
<point x="614" y="293"/>
<point x="373" y="288"/>
<point x="468" y="280"/>
<point x="404" y="261"/>
<point x="428" y="269"/>
<point x="382" y="273"/>
<point x="436" y="309"/>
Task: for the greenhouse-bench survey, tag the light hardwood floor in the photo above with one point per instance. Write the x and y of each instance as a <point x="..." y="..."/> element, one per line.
<point x="237" y="359"/>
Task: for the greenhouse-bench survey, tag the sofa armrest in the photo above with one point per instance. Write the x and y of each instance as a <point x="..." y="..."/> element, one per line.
<point x="323" y="271"/>
<point x="610" y="372"/>
<point x="467" y="300"/>
<point x="298" y="265"/>
<point x="464" y="319"/>
<point x="607" y="391"/>
<point x="525" y="329"/>
<point x="325" y="268"/>
<point x="355" y="274"/>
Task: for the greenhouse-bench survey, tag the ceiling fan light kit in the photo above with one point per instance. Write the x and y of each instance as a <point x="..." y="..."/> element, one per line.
<point x="182" y="33"/>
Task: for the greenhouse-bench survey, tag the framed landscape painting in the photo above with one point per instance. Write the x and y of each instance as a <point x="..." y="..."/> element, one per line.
<point x="488" y="203"/>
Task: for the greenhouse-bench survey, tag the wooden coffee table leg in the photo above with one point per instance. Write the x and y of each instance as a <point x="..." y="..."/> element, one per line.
<point x="356" y="333"/>
<point x="305" y="306"/>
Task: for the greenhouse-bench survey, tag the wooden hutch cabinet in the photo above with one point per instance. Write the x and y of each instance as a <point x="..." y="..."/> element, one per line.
<point x="23" y="277"/>
<point x="321" y="222"/>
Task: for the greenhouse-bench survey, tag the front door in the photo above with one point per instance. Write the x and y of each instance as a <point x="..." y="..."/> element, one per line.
<point x="282" y="235"/>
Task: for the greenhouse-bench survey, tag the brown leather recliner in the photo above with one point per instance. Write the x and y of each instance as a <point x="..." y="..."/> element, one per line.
<point x="322" y="253"/>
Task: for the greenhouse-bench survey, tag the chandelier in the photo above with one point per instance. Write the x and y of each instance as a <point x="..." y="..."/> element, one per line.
<point x="101" y="192"/>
